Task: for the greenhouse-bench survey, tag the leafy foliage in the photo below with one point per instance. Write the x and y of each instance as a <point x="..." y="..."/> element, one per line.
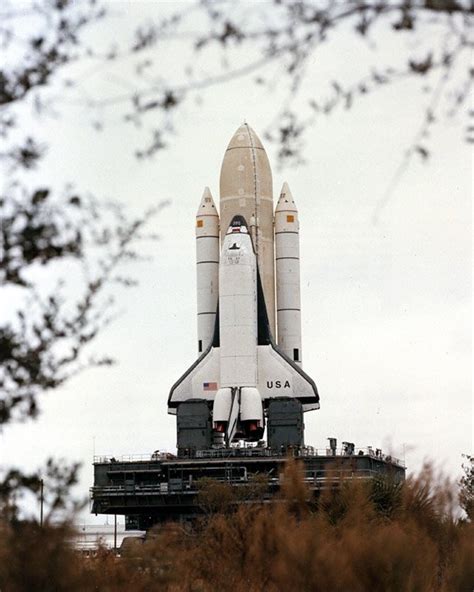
<point x="283" y="37"/>
<point x="61" y="254"/>
<point x="34" y="230"/>
<point x="54" y="42"/>
<point x="44" y="345"/>
<point x="51" y="485"/>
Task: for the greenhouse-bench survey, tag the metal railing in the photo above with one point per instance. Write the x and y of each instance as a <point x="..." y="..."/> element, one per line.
<point x="304" y="452"/>
<point x="253" y="452"/>
<point x="109" y="458"/>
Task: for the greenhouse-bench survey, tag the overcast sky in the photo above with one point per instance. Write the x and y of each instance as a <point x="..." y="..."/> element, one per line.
<point x="386" y="306"/>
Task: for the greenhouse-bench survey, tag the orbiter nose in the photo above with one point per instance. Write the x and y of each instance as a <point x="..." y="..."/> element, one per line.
<point x="238" y="224"/>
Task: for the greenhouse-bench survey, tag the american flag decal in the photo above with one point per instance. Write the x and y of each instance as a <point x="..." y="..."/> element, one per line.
<point x="209" y="386"/>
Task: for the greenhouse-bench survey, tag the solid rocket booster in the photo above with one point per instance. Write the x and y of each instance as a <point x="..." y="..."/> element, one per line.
<point x="207" y="268"/>
<point x="246" y="189"/>
<point x="287" y="262"/>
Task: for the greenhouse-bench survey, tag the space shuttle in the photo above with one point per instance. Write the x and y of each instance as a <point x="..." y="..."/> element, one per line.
<point x="248" y="299"/>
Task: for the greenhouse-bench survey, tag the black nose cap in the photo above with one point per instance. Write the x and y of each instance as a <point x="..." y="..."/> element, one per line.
<point x="238" y="221"/>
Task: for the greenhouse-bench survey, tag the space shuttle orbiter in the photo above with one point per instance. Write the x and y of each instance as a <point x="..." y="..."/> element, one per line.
<point x="241" y="367"/>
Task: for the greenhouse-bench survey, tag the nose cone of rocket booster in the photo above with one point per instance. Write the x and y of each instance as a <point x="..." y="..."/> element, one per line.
<point x="286" y="202"/>
<point x="207" y="207"/>
<point x="246" y="189"/>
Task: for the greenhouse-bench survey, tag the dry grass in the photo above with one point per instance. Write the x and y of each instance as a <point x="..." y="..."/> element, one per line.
<point x="376" y="537"/>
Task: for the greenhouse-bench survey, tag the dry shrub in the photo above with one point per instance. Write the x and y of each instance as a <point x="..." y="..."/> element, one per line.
<point x="460" y="570"/>
<point x="377" y="536"/>
<point x="215" y="496"/>
<point x="34" y="558"/>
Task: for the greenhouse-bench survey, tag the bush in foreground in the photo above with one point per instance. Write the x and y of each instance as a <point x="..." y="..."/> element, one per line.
<point x="375" y="536"/>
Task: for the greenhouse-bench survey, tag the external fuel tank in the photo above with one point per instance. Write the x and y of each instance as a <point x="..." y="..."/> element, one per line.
<point x="246" y="189"/>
